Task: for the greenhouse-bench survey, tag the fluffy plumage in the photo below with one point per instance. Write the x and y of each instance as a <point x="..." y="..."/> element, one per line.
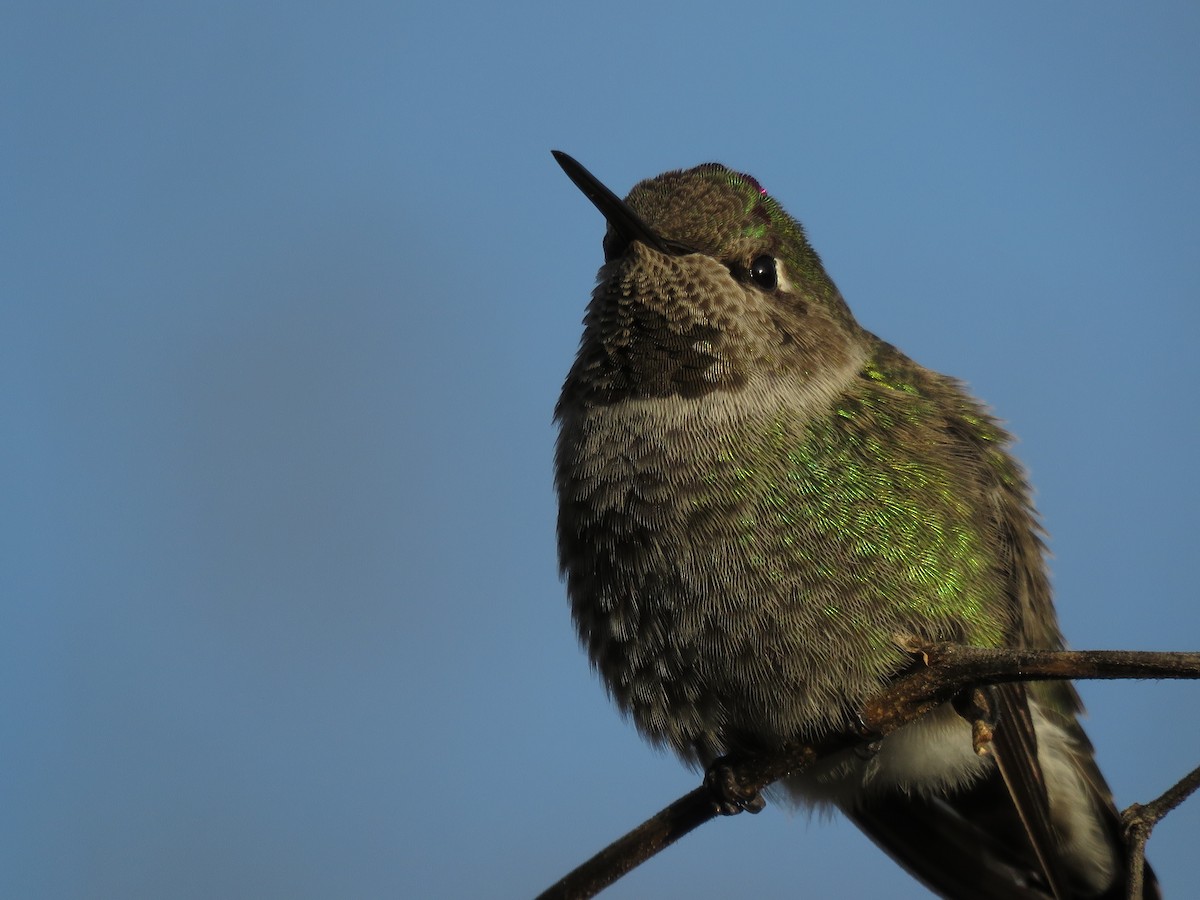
<point x="757" y="496"/>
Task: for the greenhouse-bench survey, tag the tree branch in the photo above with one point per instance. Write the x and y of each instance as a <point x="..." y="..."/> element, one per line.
<point x="1139" y="820"/>
<point x="949" y="669"/>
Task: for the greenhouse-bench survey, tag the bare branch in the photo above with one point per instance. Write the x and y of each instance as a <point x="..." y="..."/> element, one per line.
<point x="1139" y="820"/>
<point x="949" y="669"/>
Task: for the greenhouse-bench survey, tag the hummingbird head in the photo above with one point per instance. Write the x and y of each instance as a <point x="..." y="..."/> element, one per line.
<point x="707" y="285"/>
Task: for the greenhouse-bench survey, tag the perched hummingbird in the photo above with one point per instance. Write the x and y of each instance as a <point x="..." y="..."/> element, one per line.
<point x="758" y="499"/>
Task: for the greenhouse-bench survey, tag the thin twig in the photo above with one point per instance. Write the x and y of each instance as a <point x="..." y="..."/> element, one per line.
<point x="671" y="823"/>
<point x="949" y="669"/>
<point x="1139" y="820"/>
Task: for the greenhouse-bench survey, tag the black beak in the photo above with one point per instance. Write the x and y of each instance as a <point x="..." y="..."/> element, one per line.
<point x="627" y="224"/>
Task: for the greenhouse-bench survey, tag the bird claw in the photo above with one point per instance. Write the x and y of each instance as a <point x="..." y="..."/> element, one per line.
<point x="727" y="792"/>
<point x="977" y="707"/>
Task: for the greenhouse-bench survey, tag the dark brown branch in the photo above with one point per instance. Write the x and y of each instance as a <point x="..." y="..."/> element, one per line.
<point x="949" y="669"/>
<point x="1139" y="820"/>
<point x="670" y="824"/>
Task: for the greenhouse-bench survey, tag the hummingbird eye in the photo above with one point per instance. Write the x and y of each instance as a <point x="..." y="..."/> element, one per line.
<point x="764" y="273"/>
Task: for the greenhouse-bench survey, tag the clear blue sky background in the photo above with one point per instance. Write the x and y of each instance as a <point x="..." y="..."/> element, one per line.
<point x="288" y="291"/>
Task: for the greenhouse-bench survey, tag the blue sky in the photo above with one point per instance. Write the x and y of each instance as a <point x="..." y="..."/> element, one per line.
<point x="288" y="294"/>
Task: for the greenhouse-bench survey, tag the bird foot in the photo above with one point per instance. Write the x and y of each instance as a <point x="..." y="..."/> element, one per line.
<point x="978" y="708"/>
<point x="728" y="793"/>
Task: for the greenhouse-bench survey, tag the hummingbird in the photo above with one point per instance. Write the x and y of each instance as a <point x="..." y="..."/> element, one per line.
<point x="759" y="500"/>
